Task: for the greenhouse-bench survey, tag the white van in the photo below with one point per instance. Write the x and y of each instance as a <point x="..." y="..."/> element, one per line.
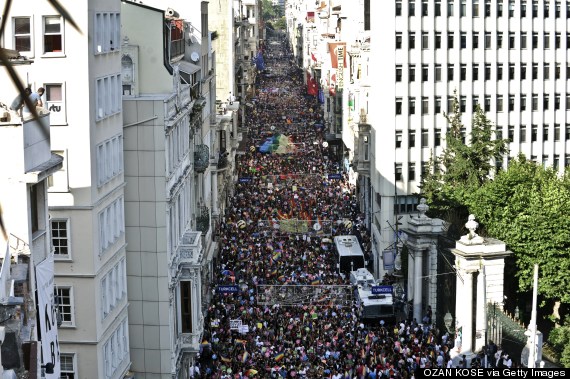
<point x="349" y="254"/>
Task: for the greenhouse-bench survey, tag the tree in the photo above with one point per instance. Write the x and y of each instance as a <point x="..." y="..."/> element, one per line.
<point x="560" y="339"/>
<point x="462" y="167"/>
<point x="527" y="207"/>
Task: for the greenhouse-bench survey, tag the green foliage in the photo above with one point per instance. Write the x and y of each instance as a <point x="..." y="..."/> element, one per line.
<point x="269" y="11"/>
<point x="560" y="339"/>
<point x="280" y="24"/>
<point x="527" y="207"/>
<point x="461" y="168"/>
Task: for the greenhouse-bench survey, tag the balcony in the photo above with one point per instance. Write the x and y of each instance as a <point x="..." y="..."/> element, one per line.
<point x="361" y="161"/>
<point x="251" y="20"/>
<point x="221" y="162"/>
<point x="201" y="158"/>
<point x="189" y="252"/>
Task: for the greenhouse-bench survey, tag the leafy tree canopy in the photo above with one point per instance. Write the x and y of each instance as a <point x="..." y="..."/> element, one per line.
<point x="528" y="207"/>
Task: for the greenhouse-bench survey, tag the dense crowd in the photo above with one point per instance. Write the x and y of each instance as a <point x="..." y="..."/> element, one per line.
<point x="305" y="340"/>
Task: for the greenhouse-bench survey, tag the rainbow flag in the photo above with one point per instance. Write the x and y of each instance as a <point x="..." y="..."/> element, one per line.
<point x="226" y="360"/>
<point x="315" y="282"/>
<point x="240" y="341"/>
<point x="276" y="255"/>
<point x="251" y="372"/>
<point x="279" y="357"/>
<point x="244" y="357"/>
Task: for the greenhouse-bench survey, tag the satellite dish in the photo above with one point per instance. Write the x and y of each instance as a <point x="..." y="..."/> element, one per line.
<point x="195" y="57"/>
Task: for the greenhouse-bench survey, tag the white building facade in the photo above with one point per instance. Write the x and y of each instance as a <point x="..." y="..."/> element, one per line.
<point x="81" y="73"/>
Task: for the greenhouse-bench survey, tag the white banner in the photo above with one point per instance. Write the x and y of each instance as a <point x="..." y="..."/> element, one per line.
<point x="48" y="316"/>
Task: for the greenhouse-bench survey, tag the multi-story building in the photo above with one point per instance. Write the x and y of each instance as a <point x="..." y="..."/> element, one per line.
<point x="178" y="174"/>
<point x="81" y="73"/>
<point x="28" y="311"/>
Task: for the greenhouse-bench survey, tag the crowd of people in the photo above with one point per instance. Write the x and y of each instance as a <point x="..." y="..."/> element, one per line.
<point x="305" y="340"/>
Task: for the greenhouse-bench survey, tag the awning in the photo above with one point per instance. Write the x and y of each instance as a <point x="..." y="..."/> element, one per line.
<point x="188" y="67"/>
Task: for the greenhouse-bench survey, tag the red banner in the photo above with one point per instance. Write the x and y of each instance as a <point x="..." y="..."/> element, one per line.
<point x="333" y="51"/>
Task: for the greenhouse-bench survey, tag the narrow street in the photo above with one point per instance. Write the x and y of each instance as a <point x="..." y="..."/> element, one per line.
<point x="281" y="309"/>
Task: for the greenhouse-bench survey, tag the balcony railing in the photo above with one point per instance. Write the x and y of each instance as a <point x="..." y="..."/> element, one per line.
<point x="203" y="220"/>
<point x="189" y="251"/>
<point x="201" y="158"/>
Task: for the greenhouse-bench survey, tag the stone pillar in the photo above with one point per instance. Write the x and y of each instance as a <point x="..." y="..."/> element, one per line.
<point x="467" y="306"/>
<point x="215" y="209"/>
<point x="418" y="277"/>
<point x="459" y="290"/>
<point x="481" y="311"/>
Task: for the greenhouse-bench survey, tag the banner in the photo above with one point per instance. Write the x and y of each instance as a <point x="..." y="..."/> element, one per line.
<point x="334" y="53"/>
<point x="47" y="312"/>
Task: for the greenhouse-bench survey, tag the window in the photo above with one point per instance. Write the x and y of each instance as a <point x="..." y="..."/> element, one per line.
<point x="449" y="104"/>
<point x="499" y="132"/>
<point x="411" y="138"/>
<point x="533" y="133"/>
<point x="398" y="8"/>
<point x="424" y="8"/>
<point x="557" y="9"/>
<point x="412" y="73"/>
<point x="463" y="72"/>
<point x="412" y="40"/>
<point x="487" y="104"/>
<point x="398" y="105"/>
<point x="567" y="133"/>
<point x="545" y="132"/>
<point x="115" y="350"/>
<point x="545" y="102"/>
<point x="463" y="104"/>
<point x="522" y="133"/>
<point x="450" y="8"/>
<point x="557" y="101"/>
<point x="523" y="8"/>
<point x="450" y="40"/>
<point x="424" y="168"/>
<point x="475" y="40"/>
<point x="534" y="71"/>
<point x="412" y="105"/>
<point x="425" y="138"/>
<point x="60" y="237"/>
<point x="108" y="96"/>
<point x="398" y="138"/>
<point x="463" y="8"/>
<point x="67" y="365"/>
<point x="398" y="40"/>
<point x="22" y="34"/>
<point x="437" y="7"/>
<point x="474" y="103"/>
<point x="475" y="8"/>
<point x="511" y="8"/>
<point x="406" y="204"/>
<point x="437" y="137"/>
<point x="425" y="40"/>
<point x="463" y="40"/>
<point x="499" y="8"/>
<point x="475" y="72"/>
<point x="54" y="95"/>
<point x="523" y="102"/>
<point x="186" y="307"/>
<point x="437" y="107"/>
<point x="411" y="171"/>
<point x="499" y="71"/>
<point x="411" y="7"/>
<point x="487" y="71"/>
<point x="398" y="172"/>
<point x="487" y="40"/>
<point x="547" y="40"/>
<point x="487" y="8"/>
<point x="511" y="71"/>
<point x="511" y="40"/>
<point x="511" y="133"/>
<point x="111" y="224"/>
<point x="547" y="8"/>
<point x="511" y="103"/>
<point x="499" y="40"/>
<point x="109" y="159"/>
<point x="534" y="40"/>
<point x="449" y="72"/>
<point x="557" y="71"/>
<point x="534" y="102"/>
<point x="499" y="103"/>
<point x="438" y="40"/>
<point x="53" y="39"/>
<point x="425" y="105"/>
<point x="567" y="102"/>
<point x="425" y="73"/>
<point x="523" y="40"/>
<point x="64" y="301"/>
<point x="399" y="73"/>
<point x="556" y="162"/>
<point x="567" y="156"/>
<point x="534" y="8"/>
<point x="523" y="71"/>
<point x="107" y="33"/>
<point x="557" y="41"/>
<point x="556" y="132"/>
<point x="438" y="73"/>
<point x="113" y="287"/>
